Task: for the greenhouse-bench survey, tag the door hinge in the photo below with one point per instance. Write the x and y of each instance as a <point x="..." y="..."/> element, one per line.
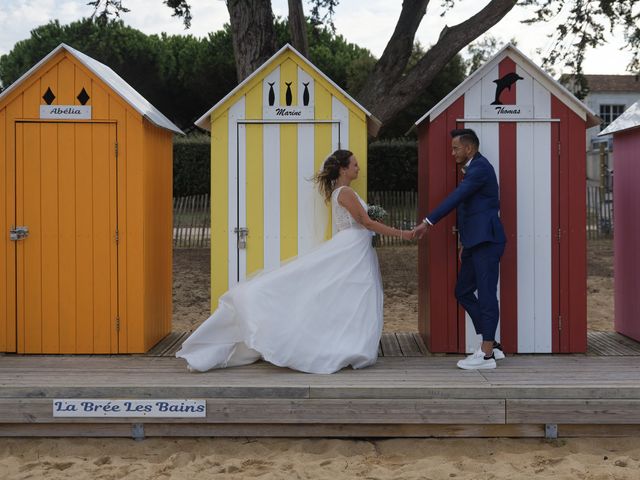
<point x="560" y="322"/>
<point x="116" y="149"/>
<point x="559" y="148"/>
<point x="117" y="236"/>
<point x="559" y="235"/>
<point x="117" y="323"/>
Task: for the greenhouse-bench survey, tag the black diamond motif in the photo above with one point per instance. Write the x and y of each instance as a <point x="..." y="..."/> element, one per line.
<point x="48" y="96"/>
<point x="83" y="96"/>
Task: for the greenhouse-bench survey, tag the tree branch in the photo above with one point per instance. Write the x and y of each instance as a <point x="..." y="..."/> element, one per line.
<point x="253" y="34"/>
<point x="298" y="27"/>
<point x="394" y="59"/>
<point x="386" y="103"/>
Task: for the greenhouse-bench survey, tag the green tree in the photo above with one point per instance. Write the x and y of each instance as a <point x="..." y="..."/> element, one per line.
<point x="180" y="75"/>
<point x="391" y="88"/>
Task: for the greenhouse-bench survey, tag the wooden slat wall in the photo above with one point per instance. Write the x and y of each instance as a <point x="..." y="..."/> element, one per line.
<point x="158" y="268"/>
<point x="66" y="77"/>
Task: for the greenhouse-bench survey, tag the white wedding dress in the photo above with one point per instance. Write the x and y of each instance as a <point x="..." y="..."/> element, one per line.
<point x="317" y="313"/>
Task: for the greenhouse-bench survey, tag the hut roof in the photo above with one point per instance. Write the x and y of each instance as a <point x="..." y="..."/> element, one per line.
<point x="205" y="120"/>
<point x="629" y="119"/>
<point x="532" y="69"/>
<point x="112" y="79"/>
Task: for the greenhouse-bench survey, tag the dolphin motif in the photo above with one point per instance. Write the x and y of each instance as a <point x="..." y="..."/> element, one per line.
<point x="504" y="83"/>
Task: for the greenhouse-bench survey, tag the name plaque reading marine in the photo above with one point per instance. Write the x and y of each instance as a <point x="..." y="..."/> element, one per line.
<point x="89" y="407"/>
<point x="65" y="112"/>
<point x="288" y="114"/>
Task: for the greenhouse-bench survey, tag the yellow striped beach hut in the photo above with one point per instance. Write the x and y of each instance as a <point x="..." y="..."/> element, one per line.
<point x="269" y="136"/>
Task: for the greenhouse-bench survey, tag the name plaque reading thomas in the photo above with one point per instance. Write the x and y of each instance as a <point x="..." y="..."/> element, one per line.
<point x="65" y="112"/>
<point x="507" y="112"/>
<point x="149" y="408"/>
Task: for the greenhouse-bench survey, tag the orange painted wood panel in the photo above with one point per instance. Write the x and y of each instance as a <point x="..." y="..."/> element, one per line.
<point x="19" y="206"/>
<point x="84" y="155"/>
<point x="66" y="282"/>
<point x="99" y="101"/>
<point x="32" y="99"/>
<point x="83" y="80"/>
<point x="50" y="267"/>
<point x="102" y="237"/>
<point x="67" y="238"/>
<point x="157" y="234"/>
<point x="29" y="195"/>
<point x="114" y="248"/>
<point x="135" y="236"/>
<point x="66" y="85"/>
<point x="118" y="114"/>
<point x="49" y="80"/>
<point x="13" y="111"/>
<point x="5" y="224"/>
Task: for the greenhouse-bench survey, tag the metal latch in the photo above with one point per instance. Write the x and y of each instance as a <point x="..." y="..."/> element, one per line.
<point x="18" y="233"/>
<point x="242" y="236"/>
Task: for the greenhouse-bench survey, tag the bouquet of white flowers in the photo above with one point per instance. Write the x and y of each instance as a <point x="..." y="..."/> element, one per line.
<point x="376" y="212"/>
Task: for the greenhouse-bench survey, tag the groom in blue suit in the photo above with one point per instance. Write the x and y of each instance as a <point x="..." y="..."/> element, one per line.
<point x="482" y="237"/>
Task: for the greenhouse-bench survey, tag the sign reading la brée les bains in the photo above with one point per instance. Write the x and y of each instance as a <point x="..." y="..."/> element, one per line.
<point x="91" y="407"/>
<point x="65" y="112"/>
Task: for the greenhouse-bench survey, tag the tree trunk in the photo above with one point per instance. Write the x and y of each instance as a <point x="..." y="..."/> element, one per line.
<point x="390" y="89"/>
<point x="253" y="34"/>
<point x="298" y="27"/>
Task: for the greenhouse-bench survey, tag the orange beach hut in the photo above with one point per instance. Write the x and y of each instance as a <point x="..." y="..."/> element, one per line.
<point x="86" y="208"/>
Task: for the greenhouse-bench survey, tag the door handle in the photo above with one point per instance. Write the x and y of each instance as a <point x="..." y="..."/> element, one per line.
<point x="18" y="233"/>
<point x="242" y="233"/>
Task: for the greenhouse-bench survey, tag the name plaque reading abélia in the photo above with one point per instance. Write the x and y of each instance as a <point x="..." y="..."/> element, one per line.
<point x="65" y="112"/>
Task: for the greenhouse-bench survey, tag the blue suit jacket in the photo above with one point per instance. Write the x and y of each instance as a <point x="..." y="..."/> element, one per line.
<point x="478" y="202"/>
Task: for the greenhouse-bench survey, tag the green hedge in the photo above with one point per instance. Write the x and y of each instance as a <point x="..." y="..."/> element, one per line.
<point x="191" y="165"/>
<point x="392" y="165"/>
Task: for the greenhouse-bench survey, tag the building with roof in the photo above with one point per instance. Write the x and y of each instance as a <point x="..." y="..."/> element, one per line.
<point x="531" y="129"/>
<point x="608" y="96"/>
<point x="269" y="136"/>
<point x="625" y="131"/>
<point x="86" y="208"/>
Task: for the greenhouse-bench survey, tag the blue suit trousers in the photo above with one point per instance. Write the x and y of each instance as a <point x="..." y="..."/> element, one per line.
<point x="479" y="271"/>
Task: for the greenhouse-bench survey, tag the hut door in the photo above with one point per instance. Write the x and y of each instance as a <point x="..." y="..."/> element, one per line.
<point x="66" y="275"/>
<point x="525" y="156"/>
<point x="277" y="212"/>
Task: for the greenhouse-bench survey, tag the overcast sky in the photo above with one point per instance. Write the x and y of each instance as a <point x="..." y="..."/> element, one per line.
<point x="368" y="23"/>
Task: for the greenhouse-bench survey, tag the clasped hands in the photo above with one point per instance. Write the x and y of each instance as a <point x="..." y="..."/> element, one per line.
<point x="417" y="232"/>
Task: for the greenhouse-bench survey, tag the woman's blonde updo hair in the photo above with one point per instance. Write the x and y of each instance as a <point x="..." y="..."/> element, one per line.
<point x="327" y="176"/>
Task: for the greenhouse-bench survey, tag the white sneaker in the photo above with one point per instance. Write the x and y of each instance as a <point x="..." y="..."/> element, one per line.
<point x="498" y="354"/>
<point x="476" y="361"/>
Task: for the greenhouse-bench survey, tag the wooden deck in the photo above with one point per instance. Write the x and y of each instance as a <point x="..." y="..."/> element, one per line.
<point x="527" y="395"/>
<point x="409" y="344"/>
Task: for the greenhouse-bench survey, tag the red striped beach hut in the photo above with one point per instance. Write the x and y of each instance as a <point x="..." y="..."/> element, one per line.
<point x="626" y="265"/>
<point x="532" y="130"/>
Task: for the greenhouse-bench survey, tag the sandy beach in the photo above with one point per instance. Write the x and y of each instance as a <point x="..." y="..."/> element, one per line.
<point x="334" y="459"/>
<point x="191" y="300"/>
<point x="243" y="458"/>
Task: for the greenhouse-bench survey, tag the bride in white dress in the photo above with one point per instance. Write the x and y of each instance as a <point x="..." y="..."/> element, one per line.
<point x="318" y="313"/>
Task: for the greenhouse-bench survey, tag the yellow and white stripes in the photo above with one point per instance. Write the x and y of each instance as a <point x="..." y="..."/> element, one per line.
<point x="262" y="168"/>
